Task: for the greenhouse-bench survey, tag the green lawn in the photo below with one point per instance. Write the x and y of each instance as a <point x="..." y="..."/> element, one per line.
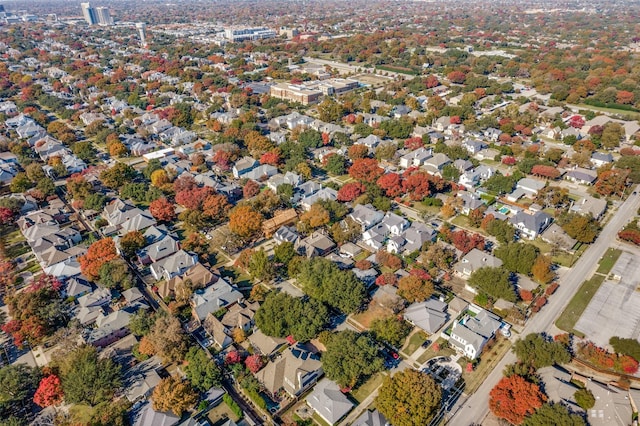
<point x="415" y="341"/>
<point x="461" y="221"/>
<point x="431" y="353"/>
<point x="577" y="305"/>
<point x="631" y="114"/>
<point x="608" y="260"/>
<point x="220" y="413"/>
<point x="361" y="393"/>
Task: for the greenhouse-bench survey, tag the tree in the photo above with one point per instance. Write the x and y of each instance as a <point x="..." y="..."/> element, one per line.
<point x="6" y="215"/>
<point x="131" y="242"/>
<point x="581" y="227"/>
<point x="611" y="182"/>
<point x="357" y="151"/>
<point x="351" y="191"/>
<point x="49" y="391"/>
<point x="517" y="257"/>
<point x="116" y="274"/>
<point x="193" y="198"/>
<point x="549" y="172"/>
<point x="513" y="398"/>
<point x="391" y="183"/>
<point x="78" y="187"/>
<point x="315" y="217"/>
<point x="466" y="241"/>
<point x="537" y="351"/>
<point x="117" y="149"/>
<point x="168" y="338"/>
<point x="542" y="269"/>
<point x="117" y="175"/>
<point x="88" y="379"/>
<point x="310" y="139"/>
<point x="391" y="330"/>
<point x="366" y="170"/>
<point x="409" y="397"/>
<point x="141" y="323"/>
<point x="502" y="230"/>
<point x="584" y="399"/>
<point x="350" y="358"/>
<point x="20" y="183"/>
<point x="623" y="346"/>
<point x="439" y="255"/>
<point x="260" y="267"/>
<point x="250" y="189"/>
<point x="323" y="280"/>
<point x="281" y="315"/>
<point x="202" y="371"/>
<point x="95" y="202"/>
<point x="18" y="383"/>
<point x="175" y="395"/>
<point x="159" y="178"/>
<point x="494" y="282"/>
<point x="244" y="221"/>
<point x="99" y="253"/>
<point x="284" y="252"/>
<point x="414" y="289"/>
<point x="335" y="164"/>
<point x="500" y="184"/>
<point x="162" y="210"/>
<point x="254" y="363"/>
<point x="553" y="414"/>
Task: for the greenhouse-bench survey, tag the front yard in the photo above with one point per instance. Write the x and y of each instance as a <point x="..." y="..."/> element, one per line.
<point x="367" y="388"/>
<point x="432" y="353"/>
<point x="364" y="319"/>
<point x="489" y="359"/>
<point x="415" y="341"/>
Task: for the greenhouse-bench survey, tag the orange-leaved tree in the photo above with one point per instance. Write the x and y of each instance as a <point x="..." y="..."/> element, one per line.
<point x="245" y="221"/>
<point x="99" y="253"/>
<point x="514" y="398"/>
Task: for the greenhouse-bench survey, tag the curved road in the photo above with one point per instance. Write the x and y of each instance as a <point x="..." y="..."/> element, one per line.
<point x="476" y="407"/>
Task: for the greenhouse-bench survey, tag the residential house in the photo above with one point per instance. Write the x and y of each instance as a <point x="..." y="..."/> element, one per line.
<point x="462" y="165"/>
<point x="145" y="415"/>
<point x="470" y="202"/>
<point x="373" y="119"/>
<point x="243" y="166"/>
<point x="165" y="246"/>
<point x="429" y="315"/>
<point x="77" y="287"/>
<point x="123" y="215"/>
<point x="371" y="142"/>
<point x="141" y="379"/>
<point x="435" y="164"/>
<point x="160" y="126"/>
<point x="555" y="235"/>
<point x="328" y="401"/>
<point x="596" y="207"/>
<point x="350" y="250"/>
<point x="530" y="186"/>
<point x="316" y="244"/>
<point x="181" y="286"/>
<point x="218" y="295"/>
<point x="295" y="371"/>
<point x="220" y="334"/>
<point x="371" y="418"/>
<point x="266" y="345"/>
<point x="394" y="224"/>
<point x="475" y="260"/>
<point x="470" y="335"/>
<point x="322" y="194"/>
<point x="472" y="178"/>
<point x="279" y="219"/>
<point x="279" y="179"/>
<point x="286" y="234"/>
<point x="366" y="216"/>
<point x="581" y="176"/>
<point x="110" y="328"/>
<point x="492" y="134"/>
<point x="414" y="238"/>
<point x="473" y="146"/>
<point x="416" y="158"/>
<point x="261" y="172"/>
<point x="173" y="265"/>
<point x="531" y="225"/>
<point x="599" y="159"/>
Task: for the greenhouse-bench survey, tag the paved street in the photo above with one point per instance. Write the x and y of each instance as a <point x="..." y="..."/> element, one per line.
<point x="476" y="407"/>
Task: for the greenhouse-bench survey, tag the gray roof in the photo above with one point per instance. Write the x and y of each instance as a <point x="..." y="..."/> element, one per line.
<point x="147" y="416"/>
<point x="370" y="418"/>
<point x="535" y="222"/>
<point x="475" y="260"/>
<point x="424" y="315"/>
<point x="214" y="297"/>
<point x="141" y="379"/>
<point x="329" y="402"/>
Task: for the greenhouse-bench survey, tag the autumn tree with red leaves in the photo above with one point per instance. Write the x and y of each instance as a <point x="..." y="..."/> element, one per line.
<point x="216" y="207"/>
<point x="514" y="398"/>
<point x="391" y="183"/>
<point x="456" y="77"/>
<point x="49" y="392"/>
<point x="545" y="171"/>
<point x="413" y="143"/>
<point x="271" y="157"/>
<point x="193" y="198"/>
<point x="366" y="170"/>
<point x="162" y="210"/>
<point x="351" y="191"/>
<point x="254" y="363"/>
<point x="250" y="189"/>
<point x="611" y="182"/>
<point x="99" y="253"/>
<point x="465" y="242"/>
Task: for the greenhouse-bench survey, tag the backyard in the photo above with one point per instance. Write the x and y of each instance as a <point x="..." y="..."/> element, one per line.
<point x="220" y="413"/>
<point x="578" y="304"/>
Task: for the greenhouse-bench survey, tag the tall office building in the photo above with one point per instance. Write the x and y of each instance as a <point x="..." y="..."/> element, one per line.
<point x="88" y="13"/>
<point x="104" y="17"/>
<point x="142" y="31"/>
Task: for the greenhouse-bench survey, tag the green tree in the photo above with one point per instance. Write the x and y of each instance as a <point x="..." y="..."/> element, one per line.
<point x="87" y="379"/>
<point x="323" y="280"/>
<point x="141" y="322"/>
<point x="500" y="184"/>
<point x="392" y="330"/>
<point x="284" y="252"/>
<point x="537" y="351"/>
<point x="350" y="358"/>
<point x="553" y="415"/>
<point x="409" y="397"/>
<point x="95" y="201"/>
<point x="310" y="139"/>
<point x="116" y="274"/>
<point x="18" y="383"/>
<point x="84" y="150"/>
<point x="281" y="315"/>
<point x="502" y="230"/>
<point x="517" y="257"/>
<point x="117" y="175"/>
<point x="336" y="165"/>
<point x="585" y="399"/>
<point x="20" y="183"/>
<point x="581" y="227"/>
<point x="624" y="346"/>
<point x="450" y="172"/>
<point x="260" y="266"/>
<point x="494" y="282"/>
<point x="131" y="242"/>
<point x="202" y="371"/>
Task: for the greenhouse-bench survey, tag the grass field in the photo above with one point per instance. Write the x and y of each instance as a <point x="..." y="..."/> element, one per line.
<point x="577" y="305"/>
<point x="488" y="361"/>
<point x="220" y="412"/>
<point x="368" y="387"/>
<point x="431" y="353"/>
<point x="631" y="114"/>
<point x="415" y="341"/>
<point x="374" y="311"/>
<point x="608" y="260"/>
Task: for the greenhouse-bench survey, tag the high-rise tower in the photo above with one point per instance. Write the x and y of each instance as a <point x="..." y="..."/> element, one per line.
<point x="142" y="31"/>
<point x="88" y="13"/>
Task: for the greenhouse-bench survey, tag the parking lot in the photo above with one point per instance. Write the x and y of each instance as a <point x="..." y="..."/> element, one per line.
<point x="613" y="310"/>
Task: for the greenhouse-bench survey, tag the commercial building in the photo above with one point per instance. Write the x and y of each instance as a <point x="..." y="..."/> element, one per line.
<point x="89" y="13"/>
<point x="96" y="16"/>
<point x="241" y="34"/>
<point x="104" y="16"/>
<point x="295" y="93"/>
